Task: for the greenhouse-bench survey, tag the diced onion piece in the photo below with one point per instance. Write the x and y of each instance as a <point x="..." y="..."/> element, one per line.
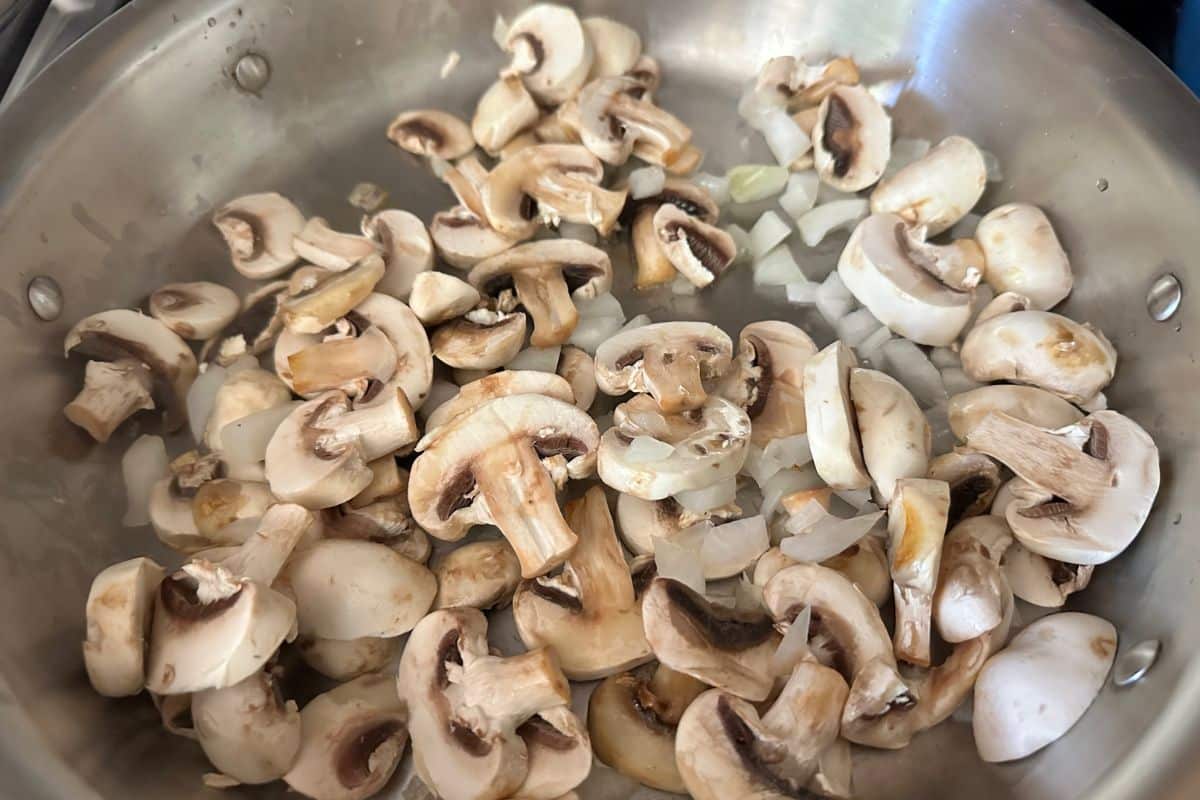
<point x="752" y="108"/>
<point x="788" y="451"/>
<point x="991" y="163"/>
<point x="802" y="293"/>
<point x="748" y="596"/>
<point x="904" y="152"/>
<point x="751" y="182"/>
<point x="944" y="358"/>
<point x="500" y="31"/>
<point x="741" y="241"/>
<point x="679" y="563"/>
<point x="858" y="499"/>
<point x="748" y="498"/>
<point x="647" y="449"/>
<point x="809" y="515"/>
<point x="640" y="321"/>
<point x="801" y="193"/>
<point x="831" y="194"/>
<point x="767" y="233"/>
<point x="604" y="305"/>
<point x="143" y="465"/>
<point x="734" y="546"/>
<point x="955" y="381"/>
<point x="778" y="268"/>
<point x="201" y="397"/>
<point x="908" y="364"/>
<point x="717" y="186"/>
<point x="794" y="646"/>
<point x="857" y="326"/>
<point x="815" y="225"/>
<point x="439" y="392"/>
<point x="244" y="441"/>
<point x="577" y="231"/>
<point x="539" y="359"/>
<point x="871" y="350"/>
<point x="591" y="332"/>
<point x="829" y="537"/>
<point x="965" y="227"/>
<point x="756" y="467"/>
<point x="784" y="482"/>
<point x="700" y="501"/>
<point x="785" y="138"/>
<point x="834" y="300"/>
<point x="646" y="182"/>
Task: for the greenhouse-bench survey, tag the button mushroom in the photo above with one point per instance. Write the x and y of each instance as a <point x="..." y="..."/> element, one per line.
<point x="348" y="363"/>
<point x="613" y="117"/>
<point x="346" y="659"/>
<point x="1093" y="483"/>
<point x="255" y="328"/>
<point x="502" y="384"/>
<point x="1024" y="255"/>
<point x="196" y="310"/>
<point x="917" y="529"/>
<point x="437" y="297"/>
<point x="579" y="370"/>
<point x="1043" y="581"/>
<point x="407" y="249"/>
<point x="1026" y="403"/>
<point x="463" y="238"/>
<point x="487" y="467"/>
<point x="550" y="51"/>
<point x="972" y="593"/>
<point x="387" y="520"/>
<point x="559" y="754"/>
<point x="866" y="564"/>
<point x="767" y="379"/>
<point x="259" y="229"/>
<point x="617" y="47"/>
<point x="832" y="428"/>
<point x="112" y="393"/>
<point x="428" y="132"/>
<point x="653" y="265"/>
<point x="218" y="504"/>
<point x="480" y="575"/>
<point x="248" y="731"/>
<point x="120" y="606"/>
<point x="480" y="339"/>
<point x="852" y="139"/>
<point x="670" y="360"/>
<point x="331" y="297"/>
<point x="505" y="110"/>
<point x="698" y="250"/>
<point x="171" y="501"/>
<point x="331" y="250"/>
<point x="243" y="393"/>
<point x="1043" y="349"/>
<point x="896" y="438"/>
<point x="546" y="274"/>
<point x="936" y="190"/>
<point x="974" y="480"/>
<point x="414" y="359"/>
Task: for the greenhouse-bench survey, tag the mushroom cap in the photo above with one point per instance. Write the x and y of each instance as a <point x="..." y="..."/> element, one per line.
<point x="328" y="249"/>
<point x="254" y="329"/>
<point x="480" y="339"/>
<point x="974" y="480"/>
<point x="332" y="296"/>
<point x="699" y="251"/>
<point x="120" y="606"/>
<point x="896" y="438"/>
<point x="559" y="754"/>
<point x="414" y="358"/>
<point x="259" y="229"/>
<point x="309" y="462"/>
<point x="346" y="659"/>
<point x="550" y="51"/>
<point x="1043" y="349"/>
<point x="667" y="359"/>
<point x="717" y="645"/>
<point x="917" y="517"/>
<point x="767" y="379"/>
<point x="709" y="447"/>
<point x="972" y="592"/>
<point x="1026" y="403"/>
<point x="504" y="110"/>
<point x="832" y="429"/>
<point x="463" y="239"/>
<point x="616" y="47"/>
<point x="195" y="310"/>
<point x="243" y="393"/>
<point x="171" y="517"/>
<point x="614" y="118"/>
<point x="407" y="249"/>
<point x="1039" y="580"/>
<point x="579" y="371"/>
<point x="647" y="72"/>
<point x="1024" y="255"/>
<point x="354" y="736"/>
<point x="433" y="133"/>
<point x="479" y="575"/>
<point x="437" y="297"/>
<point x="936" y="190"/>
<point x="682" y="193"/>
<point x="852" y="139"/>
<point x="866" y="564"/>
<point x="500" y="384"/>
<point x="219" y="503"/>
<point x="247" y="731"/>
<point x="1034" y="691"/>
<point x="387" y="521"/>
<point x="878" y="267"/>
<point x="1003" y="303"/>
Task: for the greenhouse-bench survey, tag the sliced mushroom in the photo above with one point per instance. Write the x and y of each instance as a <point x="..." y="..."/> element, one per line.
<point x="698" y="250"/>
<point x="670" y="360"/>
<point x="974" y="480"/>
<point x="248" y="731"/>
<point x="120" y="606"/>
<point x="724" y="749"/>
<point x="972" y="593"/>
<point x="487" y="467"/>
<point x="883" y="271"/>
<point x="1037" y="689"/>
<point x="255" y="328"/>
<point x="502" y="384"/>
<point x="463" y="239"/>
<point x="504" y="110"/>
<point x="1024" y="254"/>
<point x="407" y="249"/>
<point x="195" y="310"/>
<point x="437" y="297"/>
<point x="480" y="339"/>
<point x="559" y="754"/>
<point x="646" y="72"/>
<point x="917" y="529"/>
<point x="1042" y="581"/>
<point x="414" y="358"/>
<point x="311" y="459"/>
<point x="219" y="503"/>
<point x="1026" y="403"/>
<point x="428" y="132"/>
<point x="832" y="428"/>
<point x="354" y="736"/>
<point x="121" y="335"/>
<point x="466" y="705"/>
<point x="346" y="659"/>
<point x="959" y="265"/>
<point x="866" y="565"/>
<point x="1043" y="349"/>
<point x="480" y="575"/>
<point x="710" y="445"/>
<point x="387" y="521"/>
<point x="112" y="393"/>
<point x="579" y="370"/>
<point x="348" y="363"/>
<point x="243" y="393"/>
<point x="259" y="229"/>
<point x="896" y="438"/>
<point x="617" y="47"/>
<point x="545" y="275"/>
<point x="614" y="117"/>
<point x="331" y="297"/>
<point x="936" y="190"/>
<point x="1003" y="303"/>
<point x="767" y="379"/>
<point x="550" y="51"/>
<point x="852" y="139"/>
<point x="653" y="266"/>
<point x="1094" y="483"/>
<point x="329" y="249"/>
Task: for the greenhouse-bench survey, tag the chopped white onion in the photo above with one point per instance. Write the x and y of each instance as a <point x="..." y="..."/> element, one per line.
<point x="904" y="152"/>
<point x="756" y="467"/>
<point x="539" y="359"/>
<point x="783" y="483"/>
<point x="244" y="441"/>
<point x="991" y="163"/>
<point x="801" y="193"/>
<point x="857" y="326"/>
<point x="647" y="449"/>
<point x="945" y="358"/>
<point x="144" y="464"/>
<point x="741" y="241"/>
<point x="965" y="227"/>
<point x="717" y="186"/>
<point x="734" y="546"/>
<point x="778" y="268"/>
<point x="858" y="499"/>
<point x="794" y="645"/>
<point x="646" y="182"/>
<point x="908" y="364"/>
<point x="829" y="537"/>
<point x="679" y="563"/>
<point x="871" y="350"/>
<point x="767" y="233"/>
<point x="753" y="107"/>
<point x="788" y="451"/>
<point x="815" y="225"/>
<point x="832" y="194"/>
<point x="785" y="138"/>
<point x="748" y="498"/>
<point x="577" y="231"/>
<point x="939" y="426"/>
<point x="834" y="300"/>
<point x="591" y="332"/>
<point x="439" y="392"/>
<point x="201" y="397"/>
<point x="440" y="166"/>
<point x="500" y="31"/>
<point x="955" y="381"/>
<point x="806" y="517"/>
<point x="603" y="305"/>
<point x="682" y="286"/>
<point x="699" y="501"/>
<point x="802" y="293"/>
<point x="751" y="182"/>
<point x="640" y="321"/>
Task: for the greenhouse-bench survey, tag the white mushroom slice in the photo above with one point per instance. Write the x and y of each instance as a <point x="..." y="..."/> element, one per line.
<point x="767" y="379"/>
<point x="936" y="190"/>
<point x="1024" y="255"/>
<point x="487" y="467"/>
<point x="346" y="659"/>
<point x="720" y="646"/>
<point x="504" y="110"/>
<point x="386" y="521"/>
<point x="1037" y="689"/>
<point x="348" y="589"/>
<point x="832" y="429"/>
<point x="698" y="250"/>
<point x="1043" y="581"/>
<point x="643" y="521"/>
<point x="120" y="606"/>
<point x="559" y="754"/>
<point x="480" y="575"/>
<point x="545" y="275"/>
<point x="550" y="51"/>
<point x="670" y="360"/>
<point x="1094" y="482"/>
<point x="349" y="364"/>
<point x="171" y="517"/>
<point x="254" y="329"/>
<point x="974" y="480"/>
<point x="466" y="705"/>
<point x="112" y="393"/>
<point x="480" y="339"/>
<point x="407" y="249"/>
<point x="329" y="249"/>
<point x="311" y="461"/>
<point x="896" y="438"/>
<point x="259" y="229"/>
<point x="917" y="517"/>
<point x="616" y="47"/>
<point x="654" y="267"/>
<point x="866" y="564"/>
<point x="614" y="117"/>
<point x="1026" y="403"/>
<point x="195" y="310"/>
<point x="578" y="369"/>
<point x="243" y="393"/>
<point x="589" y="614"/>
<point x="502" y="384"/>
<point x="354" y="736"/>
<point x="846" y="631"/>
<point x="414" y="359"/>
<point x="1043" y="349"/>
<point x="428" y="132"/>
<point x="852" y="139"/>
<point x="884" y="273"/>
<point x="331" y="297"/>
<point x="218" y="504"/>
<point x="119" y="334"/>
<point x="437" y="297"/>
<point x="463" y="239"/>
<point x="709" y="445"/>
<point x="972" y="593"/>
<point x="959" y="265"/>
<point x="724" y="749"/>
<point x="1003" y="303"/>
<point x="248" y="731"/>
<point x="647" y="72"/>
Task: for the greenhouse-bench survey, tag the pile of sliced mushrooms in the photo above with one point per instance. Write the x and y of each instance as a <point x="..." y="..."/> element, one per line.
<point x="763" y="554"/>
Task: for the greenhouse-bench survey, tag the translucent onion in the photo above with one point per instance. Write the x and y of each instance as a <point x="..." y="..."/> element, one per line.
<point x="908" y="364"/>
<point x="802" y="293"/>
<point x="815" y="225"/>
<point x="144" y="464"/>
<point x="748" y="596"/>
<point x="752" y="182"/>
<point x="794" y="646"/>
<point x="500" y="31"/>
<point x="717" y="186"/>
<point x="778" y="268"/>
<point x="858" y="499"/>
<point x="679" y="563"/>
<point x="683" y="287"/>
<point x="591" y="332"/>
<point x="647" y="449"/>
<point x="944" y="358"/>
<point x="201" y="397"/>
<point x="244" y="441"/>
<point x="646" y="182"/>
<point x="767" y="233"/>
<point x="640" y="321"/>
<point x="871" y="350"/>
<point x="856" y="327"/>
<point x="995" y="173"/>
<point x="604" y="305"/>
<point x="539" y="359"/>
<point x="730" y="548"/>
<point x="700" y="501"/>
<point x="801" y="193"/>
<point x="834" y="300"/>
<point x="784" y="483"/>
<point x="904" y="152"/>
<point x="785" y="138"/>
<point x="939" y="426"/>
<point x="829" y="537"/>
<point x="955" y="381"/>
<point x="809" y="515"/>
<point x="788" y="451"/>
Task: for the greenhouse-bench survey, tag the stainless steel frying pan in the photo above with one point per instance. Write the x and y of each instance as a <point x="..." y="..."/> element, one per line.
<point x="112" y="160"/>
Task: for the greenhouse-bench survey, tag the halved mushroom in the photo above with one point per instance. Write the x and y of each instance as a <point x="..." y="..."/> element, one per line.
<point x="617" y="47"/>
<point x="917" y="529"/>
<point x="243" y="393"/>
<point x="247" y="730"/>
<point x="331" y="297"/>
<point x="886" y="274"/>
<point x="698" y="250"/>
<point x="254" y="329"/>
<point x="120" y="607"/>
<point x="724" y="749"/>
<point x="972" y="593"/>
<point x="1043" y="349"/>
<point x="767" y="379"/>
<point x="1026" y="403"/>
<point x="407" y="249"/>
<point x="588" y="614"/>
<point x="354" y="736"/>
<point x="1024" y="254"/>
<point x="487" y="467"/>
<point x="504" y="110"/>
<point x="936" y="190"/>
<point x="437" y="297"/>
<point x="1093" y="483"/>
<point x="559" y="754"/>
<point x="112" y="393"/>
<point x="463" y="239"/>
<point x="480" y="339"/>
<point x="259" y="229"/>
<point x="331" y="250"/>
<point x="466" y="705"/>
<point x="414" y="359"/>
<point x="1042" y="581"/>
<point x="670" y="360"/>
<point x="480" y="575"/>
<point x="545" y="275"/>
<point x="579" y="370"/>
<point x="194" y="310"/>
<point x="501" y="384"/>
<point x="709" y="446"/>
<point x="348" y="363"/>
<point x="653" y="266"/>
<point x="852" y="139"/>
<point x="219" y="503"/>
<point x="171" y="501"/>
<point x="433" y="133"/>
<point x="122" y="335"/>
<point x="550" y="51"/>
<point x="614" y="117"/>
<point x="387" y="520"/>
<point x="1037" y="689"/>
<point x="973" y="478"/>
<point x="896" y="438"/>
<point x="832" y="428"/>
<point x="346" y="659"/>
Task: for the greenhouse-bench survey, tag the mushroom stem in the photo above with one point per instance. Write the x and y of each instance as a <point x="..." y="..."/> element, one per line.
<point x="263" y="555"/>
<point x="676" y="383"/>
<point x="112" y="393"/>
<point x="547" y="299"/>
<point x="381" y="426"/>
<point x="510" y="690"/>
<point x="343" y="362"/>
<point x="598" y="566"/>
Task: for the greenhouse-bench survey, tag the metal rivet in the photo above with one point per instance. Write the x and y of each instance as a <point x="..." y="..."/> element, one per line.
<point x="1135" y="662"/>
<point x="1162" y="301"/>
<point x="252" y="72"/>
<point x="45" y="297"/>
<point x="1102" y="184"/>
